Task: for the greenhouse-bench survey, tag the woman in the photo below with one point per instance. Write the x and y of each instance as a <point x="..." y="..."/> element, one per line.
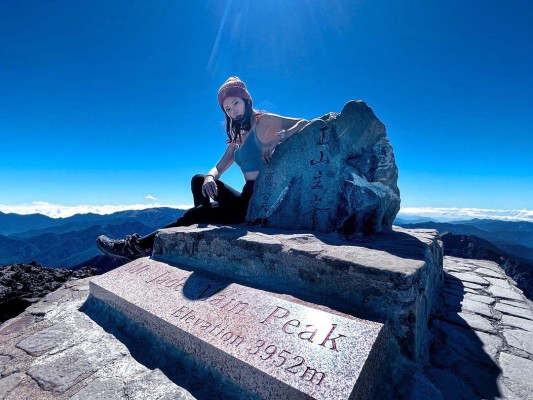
<point x="252" y="138"/>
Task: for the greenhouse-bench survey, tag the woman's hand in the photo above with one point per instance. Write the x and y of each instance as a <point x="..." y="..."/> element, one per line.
<point x="269" y="147"/>
<point x="209" y="188"/>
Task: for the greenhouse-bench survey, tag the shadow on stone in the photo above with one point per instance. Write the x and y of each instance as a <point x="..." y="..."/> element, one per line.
<point x="201" y="286"/>
<point x="396" y="243"/>
<point x="154" y="352"/>
<point x="460" y="365"/>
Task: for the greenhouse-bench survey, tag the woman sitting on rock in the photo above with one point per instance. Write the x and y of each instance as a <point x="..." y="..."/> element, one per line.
<point x="252" y="138"/>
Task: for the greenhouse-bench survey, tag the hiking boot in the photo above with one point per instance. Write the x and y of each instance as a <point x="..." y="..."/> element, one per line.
<point x="128" y="248"/>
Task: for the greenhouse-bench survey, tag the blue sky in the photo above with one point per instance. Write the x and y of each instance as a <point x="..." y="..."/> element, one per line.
<point x="106" y="103"/>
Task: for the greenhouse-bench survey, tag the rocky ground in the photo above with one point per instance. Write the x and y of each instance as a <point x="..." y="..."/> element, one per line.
<point x="24" y="284"/>
<point x="481" y="335"/>
<point x="54" y="351"/>
<point x="520" y="269"/>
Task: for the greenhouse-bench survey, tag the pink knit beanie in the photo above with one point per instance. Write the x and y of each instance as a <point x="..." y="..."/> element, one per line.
<point x="233" y="87"/>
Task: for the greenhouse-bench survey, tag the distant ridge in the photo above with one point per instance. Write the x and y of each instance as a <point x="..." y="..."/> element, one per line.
<point x="71" y="241"/>
<point x="500" y="233"/>
<point x="497" y="225"/>
<point x="26" y="225"/>
<point x="412" y="220"/>
<point x="11" y="223"/>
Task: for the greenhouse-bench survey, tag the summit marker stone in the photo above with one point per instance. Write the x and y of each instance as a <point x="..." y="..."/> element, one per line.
<point x="337" y="174"/>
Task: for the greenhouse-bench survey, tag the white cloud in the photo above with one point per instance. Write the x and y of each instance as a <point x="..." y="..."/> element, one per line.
<point x="440" y="214"/>
<point x="61" y="211"/>
<point x="448" y="214"/>
<point x="150" y="197"/>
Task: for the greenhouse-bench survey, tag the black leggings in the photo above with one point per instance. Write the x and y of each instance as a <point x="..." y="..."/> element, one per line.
<point x="229" y="207"/>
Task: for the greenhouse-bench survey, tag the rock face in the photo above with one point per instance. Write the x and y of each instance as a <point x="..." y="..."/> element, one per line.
<point x="23" y="284"/>
<point x="337" y="174"/>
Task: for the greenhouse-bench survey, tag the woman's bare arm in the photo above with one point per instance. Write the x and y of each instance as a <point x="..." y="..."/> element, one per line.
<point x="209" y="188"/>
<point x="274" y="129"/>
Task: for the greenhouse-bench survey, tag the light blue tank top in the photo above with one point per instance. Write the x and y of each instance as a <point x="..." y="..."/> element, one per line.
<point x="248" y="156"/>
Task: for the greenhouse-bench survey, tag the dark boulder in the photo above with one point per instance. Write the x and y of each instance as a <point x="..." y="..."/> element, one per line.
<point x="23" y="284"/>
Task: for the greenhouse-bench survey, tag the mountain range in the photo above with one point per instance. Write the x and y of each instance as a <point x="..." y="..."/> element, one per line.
<point x="70" y="242"/>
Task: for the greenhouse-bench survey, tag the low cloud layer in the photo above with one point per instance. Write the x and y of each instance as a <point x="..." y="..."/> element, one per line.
<point x="450" y="214"/>
<point x="61" y="211"/>
<point x="439" y="214"/>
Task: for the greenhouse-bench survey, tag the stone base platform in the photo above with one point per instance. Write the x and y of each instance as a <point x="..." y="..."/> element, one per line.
<point x="388" y="277"/>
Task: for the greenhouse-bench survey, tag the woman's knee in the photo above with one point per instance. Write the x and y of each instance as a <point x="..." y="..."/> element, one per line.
<point x="196" y="182"/>
<point x="196" y="179"/>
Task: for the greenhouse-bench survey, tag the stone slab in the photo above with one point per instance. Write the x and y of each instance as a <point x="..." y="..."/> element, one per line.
<point x="458" y="268"/>
<point x="46" y="339"/>
<point x="520" y="304"/>
<point x="525" y="324"/>
<point x="503" y="283"/>
<point x="502" y="293"/>
<point x="41" y="309"/>
<point x="269" y="345"/>
<point x="473" y="321"/>
<point x="512" y="310"/>
<point x="476" y="307"/>
<point x="483" y="263"/>
<point x="490" y="272"/>
<point x="59" y="374"/>
<point x="468" y="343"/>
<point x="491" y="343"/>
<point x="520" y="339"/>
<point x="519" y="370"/>
<point x="100" y="389"/>
<point x="388" y="277"/>
<point x="474" y="286"/>
<point x="8" y="383"/>
<point x="480" y="298"/>
<point x="470" y="277"/>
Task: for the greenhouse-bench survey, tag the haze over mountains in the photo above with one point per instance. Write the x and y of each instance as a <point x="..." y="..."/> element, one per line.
<point x="515" y="237"/>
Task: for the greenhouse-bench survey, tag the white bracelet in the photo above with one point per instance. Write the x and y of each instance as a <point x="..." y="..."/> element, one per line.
<point x="282" y="134"/>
